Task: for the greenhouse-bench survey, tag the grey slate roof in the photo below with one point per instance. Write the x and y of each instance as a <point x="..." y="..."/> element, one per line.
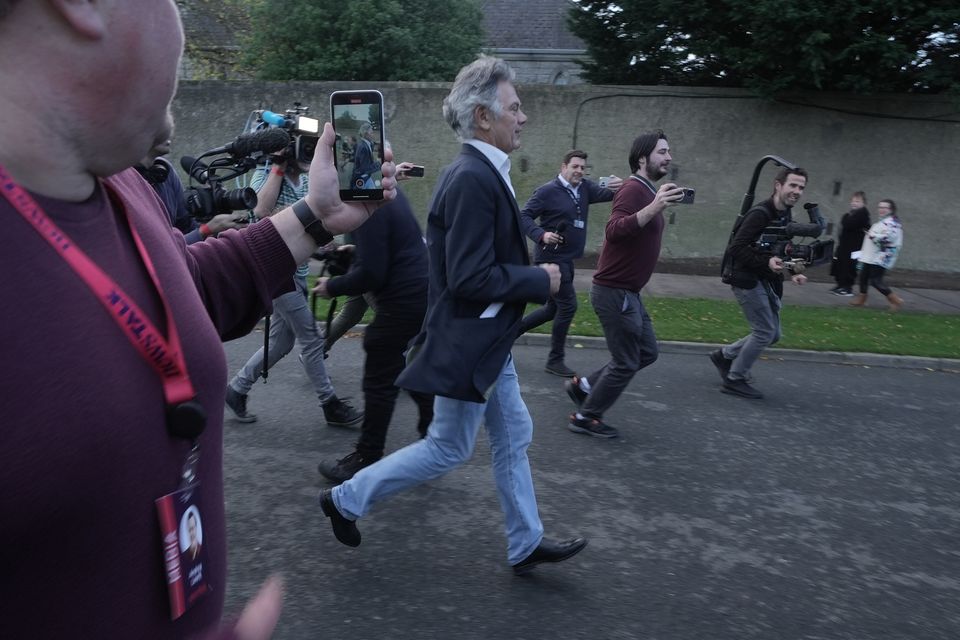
<point x="528" y="24"/>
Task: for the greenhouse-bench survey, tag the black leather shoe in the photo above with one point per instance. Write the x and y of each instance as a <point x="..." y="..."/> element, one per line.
<point x="345" y="529"/>
<point x="550" y="551"/>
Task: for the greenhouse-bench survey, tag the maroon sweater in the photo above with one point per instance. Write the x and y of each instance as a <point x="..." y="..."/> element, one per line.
<point x="84" y="449"/>
<point x="630" y="252"/>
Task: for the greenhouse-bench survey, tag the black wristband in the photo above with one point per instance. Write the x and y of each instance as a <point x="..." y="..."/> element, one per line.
<point x="310" y="223"/>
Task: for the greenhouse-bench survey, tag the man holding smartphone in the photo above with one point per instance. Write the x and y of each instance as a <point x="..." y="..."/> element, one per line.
<point x="630" y="251"/>
<point x="480" y="282"/>
<point x="561" y="206"/>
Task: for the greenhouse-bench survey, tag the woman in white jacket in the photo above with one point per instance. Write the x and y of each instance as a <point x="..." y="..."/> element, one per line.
<point x="878" y="254"/>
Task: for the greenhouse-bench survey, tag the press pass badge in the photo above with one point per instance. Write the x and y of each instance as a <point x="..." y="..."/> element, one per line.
<point x="184" y="551"/>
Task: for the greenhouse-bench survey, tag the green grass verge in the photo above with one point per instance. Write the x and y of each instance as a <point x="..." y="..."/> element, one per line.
<point x="804" y="327"/>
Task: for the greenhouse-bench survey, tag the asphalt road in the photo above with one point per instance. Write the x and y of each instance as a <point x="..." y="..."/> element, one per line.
<point x="828" y="510"/>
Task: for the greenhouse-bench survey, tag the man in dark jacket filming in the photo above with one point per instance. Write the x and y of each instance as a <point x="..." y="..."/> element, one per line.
<point x="757" y="283"/>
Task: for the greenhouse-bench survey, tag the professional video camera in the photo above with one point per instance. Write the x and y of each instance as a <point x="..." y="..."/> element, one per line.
<point x="209" y="198"/>
<point x="304" y="131"/>
<point x="797" y="257"/>
<point x="777" y="237"/>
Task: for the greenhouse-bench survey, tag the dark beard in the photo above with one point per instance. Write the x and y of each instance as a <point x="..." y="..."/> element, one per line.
<point x="651" y="174"/>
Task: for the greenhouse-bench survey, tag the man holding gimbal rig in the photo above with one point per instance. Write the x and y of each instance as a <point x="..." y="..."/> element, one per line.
<point x="756" y="277"/>
<point x="279" y="184"/>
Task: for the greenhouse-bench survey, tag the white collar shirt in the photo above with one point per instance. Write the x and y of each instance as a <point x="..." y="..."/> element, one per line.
<point x="499" y="159"/>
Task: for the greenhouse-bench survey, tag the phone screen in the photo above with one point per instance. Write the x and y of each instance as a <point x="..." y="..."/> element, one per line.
<point x="358" y="121"/>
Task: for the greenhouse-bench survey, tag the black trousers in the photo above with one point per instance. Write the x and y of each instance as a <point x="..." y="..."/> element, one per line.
<point x="871" y="275"/>
<point x="561" y="308"/>
<point x="844" y="269"/>
<point x="384" y="343"/>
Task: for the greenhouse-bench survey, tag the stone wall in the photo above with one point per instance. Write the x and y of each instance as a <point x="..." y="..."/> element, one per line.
<point x="899" y="147"/>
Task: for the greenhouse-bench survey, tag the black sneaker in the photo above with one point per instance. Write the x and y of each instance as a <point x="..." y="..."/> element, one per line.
<point x="340" y="413"/>
<point x="740" y="388"/>
<point x="343" y="469"/>
<point x="722" y="363"/>
<point x="846" y="293"/>
<point x="591" y="427"/>
<point x="559" y="369"/>
<point x="835" y="289"/>
<point x="237" y="403"/>
<point x="576" y="394"/>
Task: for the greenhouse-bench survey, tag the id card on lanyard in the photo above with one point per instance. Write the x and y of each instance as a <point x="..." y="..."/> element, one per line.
<point x="185" y="417"/>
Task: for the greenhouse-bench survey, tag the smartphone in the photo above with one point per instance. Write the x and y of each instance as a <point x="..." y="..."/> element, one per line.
<point x="357" y="118"/>
<point x="688" y="195"/>
<point x="416" y="171"/>
<point x="603" y="182"/>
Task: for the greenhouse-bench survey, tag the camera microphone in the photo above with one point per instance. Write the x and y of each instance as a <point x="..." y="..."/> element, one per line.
<point x="276" y="119"/>
<point x="194" y="168"/>
<point x="265" y="141"/>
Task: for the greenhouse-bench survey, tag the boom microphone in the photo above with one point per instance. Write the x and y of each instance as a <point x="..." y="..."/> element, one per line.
<point x="265" y="141"/>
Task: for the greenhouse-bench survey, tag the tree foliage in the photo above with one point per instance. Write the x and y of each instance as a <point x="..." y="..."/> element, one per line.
<point x="771" y="46"/>
<point x="362" y="39"/>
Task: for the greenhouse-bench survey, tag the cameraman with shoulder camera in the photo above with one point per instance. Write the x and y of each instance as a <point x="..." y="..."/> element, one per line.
<point x="757" y="282"/>
<point x="278" y="185"/>
<point x="161" y="175"/>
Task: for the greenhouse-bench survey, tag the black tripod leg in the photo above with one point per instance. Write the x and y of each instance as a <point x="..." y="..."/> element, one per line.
<point x="266" y="347"/>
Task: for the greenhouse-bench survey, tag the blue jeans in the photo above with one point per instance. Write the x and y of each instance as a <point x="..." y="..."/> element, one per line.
<point x="761" y="308"/>
<point x="449" y="443"/>
<point x="291" y="319"/>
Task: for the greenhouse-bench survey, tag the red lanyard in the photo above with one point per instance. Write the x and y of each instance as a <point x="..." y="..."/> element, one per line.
<point x="166" y="356"/>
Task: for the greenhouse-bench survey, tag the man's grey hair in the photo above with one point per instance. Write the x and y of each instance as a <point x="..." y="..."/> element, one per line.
<point x="364" y="127"/>
<point x="476" y="86"/>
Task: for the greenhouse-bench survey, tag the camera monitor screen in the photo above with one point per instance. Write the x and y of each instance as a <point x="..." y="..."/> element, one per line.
<point x="358" y="122"/>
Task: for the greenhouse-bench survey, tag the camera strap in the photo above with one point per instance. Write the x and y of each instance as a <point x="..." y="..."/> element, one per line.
<point x="185" y="416"/>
